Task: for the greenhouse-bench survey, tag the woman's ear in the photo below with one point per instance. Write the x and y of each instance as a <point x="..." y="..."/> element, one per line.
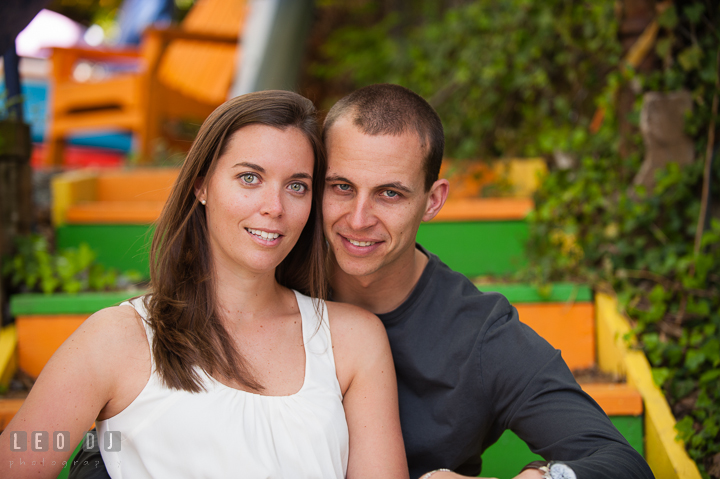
<point x="200" y="189"/>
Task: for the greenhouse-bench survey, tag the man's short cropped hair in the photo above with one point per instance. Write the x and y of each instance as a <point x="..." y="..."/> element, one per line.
<point x="386" y="109"/>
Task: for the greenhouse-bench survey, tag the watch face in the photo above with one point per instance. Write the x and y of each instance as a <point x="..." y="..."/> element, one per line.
<point x="561" y="471"/>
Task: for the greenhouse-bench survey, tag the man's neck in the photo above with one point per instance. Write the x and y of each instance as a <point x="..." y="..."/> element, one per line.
<point x="382" y="291"/>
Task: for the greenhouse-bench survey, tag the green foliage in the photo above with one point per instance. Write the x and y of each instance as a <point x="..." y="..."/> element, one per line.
<point x="105" y="12"/>
<point x="592" y="224"/>
<point x="511" y="78"/>
<point x="72" y="270"/>
<point x="86" y="12"/>
<point x="7" y="104"/>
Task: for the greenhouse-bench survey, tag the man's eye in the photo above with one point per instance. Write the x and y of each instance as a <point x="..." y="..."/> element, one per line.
<point x="249" y="178"/>
<point x="298" y="187"/>
<point x="343" y="187"/>
<point x="391" y="193"/>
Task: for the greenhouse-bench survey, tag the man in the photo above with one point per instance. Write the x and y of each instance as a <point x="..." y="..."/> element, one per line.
<point x="467" y="368"/>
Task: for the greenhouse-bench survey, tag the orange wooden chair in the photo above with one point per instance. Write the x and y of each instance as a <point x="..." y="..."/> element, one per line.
<point x="184" y="73"/>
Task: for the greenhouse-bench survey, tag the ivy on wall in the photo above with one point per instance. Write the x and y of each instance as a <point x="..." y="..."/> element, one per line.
<point x="511" y="78"/>
<point x="593" y="224"/>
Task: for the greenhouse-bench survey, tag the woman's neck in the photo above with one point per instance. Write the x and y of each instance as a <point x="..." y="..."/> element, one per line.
<point x="247" y="296"/>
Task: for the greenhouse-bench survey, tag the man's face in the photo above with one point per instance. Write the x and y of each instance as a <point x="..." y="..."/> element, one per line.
<point x="375" y="198"/>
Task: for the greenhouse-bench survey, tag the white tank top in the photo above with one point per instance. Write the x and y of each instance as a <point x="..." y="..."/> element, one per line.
<point x="225" y="432"/>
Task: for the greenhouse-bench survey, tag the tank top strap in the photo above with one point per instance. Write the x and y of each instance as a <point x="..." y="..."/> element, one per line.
<point x="139" y="305"/>
<point x="320" y="359"/>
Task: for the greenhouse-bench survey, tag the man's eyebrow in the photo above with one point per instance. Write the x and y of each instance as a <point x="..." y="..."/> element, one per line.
<point x="396" y="185"/>
<point x="337" y="178"/>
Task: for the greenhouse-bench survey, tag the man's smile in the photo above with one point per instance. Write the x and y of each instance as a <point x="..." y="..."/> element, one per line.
<point x="360" y="245"/>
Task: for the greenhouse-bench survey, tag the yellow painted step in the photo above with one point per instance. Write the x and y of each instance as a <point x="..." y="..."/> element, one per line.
<point x="665" y="454"/>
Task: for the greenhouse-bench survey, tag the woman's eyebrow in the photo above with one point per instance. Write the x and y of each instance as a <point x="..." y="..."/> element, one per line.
<point x="250" y="165"/>
<point x="260" y="169"/>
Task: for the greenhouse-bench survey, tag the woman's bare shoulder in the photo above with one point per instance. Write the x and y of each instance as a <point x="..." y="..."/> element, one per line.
<point x="358" y="338"/>
<point x="112" y="332"/>
<point x="349" y="319"/>
<point x="115" y="320"/>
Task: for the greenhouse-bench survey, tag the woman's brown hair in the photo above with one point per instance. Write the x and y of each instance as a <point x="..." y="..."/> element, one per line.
<point x="182" y="309"/>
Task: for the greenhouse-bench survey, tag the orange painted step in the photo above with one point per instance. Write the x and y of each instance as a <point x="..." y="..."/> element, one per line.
<point x="615" y="399"/>
<point x="8" y="409"/>
<point x="485" y="209"/>
<point x="40" y="336"/>
<point x="568" y="327"/>
<point x="113" y="212"/>
<point x="136" y="185"/>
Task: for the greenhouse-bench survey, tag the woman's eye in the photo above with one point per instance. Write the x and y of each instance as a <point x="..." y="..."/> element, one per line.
<point x="343" y="187"/>
<point x="298" y="187"/>
<point x="249" y="178"/>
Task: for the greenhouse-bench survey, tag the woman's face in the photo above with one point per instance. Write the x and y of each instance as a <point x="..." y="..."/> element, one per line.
<point x="258" y="199"/>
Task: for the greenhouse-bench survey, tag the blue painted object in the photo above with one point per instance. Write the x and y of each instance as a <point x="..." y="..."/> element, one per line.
<point x="136" y="15"/>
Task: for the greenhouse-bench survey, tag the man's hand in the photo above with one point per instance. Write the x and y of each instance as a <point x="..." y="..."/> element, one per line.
<point x="452" y="475"/>
<point x="530" y="474"/>
<point x="526" y="474"/>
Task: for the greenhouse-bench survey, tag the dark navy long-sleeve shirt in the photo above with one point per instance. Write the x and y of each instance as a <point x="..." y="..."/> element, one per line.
<point x="468" y="369"/>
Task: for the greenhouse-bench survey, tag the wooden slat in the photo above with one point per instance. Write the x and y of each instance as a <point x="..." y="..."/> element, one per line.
<point x="120" y="90"/>
<point x="201" y="70"/>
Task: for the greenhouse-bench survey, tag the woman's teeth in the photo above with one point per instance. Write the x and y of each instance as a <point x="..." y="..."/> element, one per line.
<point x="264" y="234"/>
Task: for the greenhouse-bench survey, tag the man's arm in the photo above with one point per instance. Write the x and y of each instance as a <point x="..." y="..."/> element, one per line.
<point x="534" y="394"/>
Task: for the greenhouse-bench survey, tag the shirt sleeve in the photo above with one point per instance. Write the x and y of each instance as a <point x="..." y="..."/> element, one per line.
<point x="534" y="394"/>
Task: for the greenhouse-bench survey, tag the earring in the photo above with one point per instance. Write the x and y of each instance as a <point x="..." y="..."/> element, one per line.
<point x="203" y="202"/>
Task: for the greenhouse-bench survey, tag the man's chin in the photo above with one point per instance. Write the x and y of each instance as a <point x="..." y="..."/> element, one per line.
<point x="356" y="266"/>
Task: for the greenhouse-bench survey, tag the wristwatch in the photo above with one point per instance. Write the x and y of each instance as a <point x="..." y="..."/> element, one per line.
<point x="552" y="470"/>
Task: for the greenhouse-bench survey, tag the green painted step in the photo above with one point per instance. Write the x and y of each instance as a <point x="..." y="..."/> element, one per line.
<point x="62" y="303"/>
<point x="472" y="248"/>
<point x="118" y="246"/>
<point x="81" y="303"/>
<point x="477" y="248"/>
<point x="525" y="293"/>
<point x="509" y="454"/>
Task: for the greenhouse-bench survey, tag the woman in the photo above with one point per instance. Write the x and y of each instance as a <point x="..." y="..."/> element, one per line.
<point x="224" y="370"/>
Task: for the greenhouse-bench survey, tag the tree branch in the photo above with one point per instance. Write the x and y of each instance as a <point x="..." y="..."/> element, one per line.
<point x="708" y="161"/>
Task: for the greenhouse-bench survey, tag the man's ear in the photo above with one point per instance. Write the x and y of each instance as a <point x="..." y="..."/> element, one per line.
<point x="436" y="200"/>
<point x="200" y="188"/>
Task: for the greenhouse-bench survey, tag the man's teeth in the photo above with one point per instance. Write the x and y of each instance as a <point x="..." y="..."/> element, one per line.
<point x="264" y="234"/>
<point x="361" y="243"/>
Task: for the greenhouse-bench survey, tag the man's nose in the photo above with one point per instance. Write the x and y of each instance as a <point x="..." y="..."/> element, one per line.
<point x="361" y="216"/>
